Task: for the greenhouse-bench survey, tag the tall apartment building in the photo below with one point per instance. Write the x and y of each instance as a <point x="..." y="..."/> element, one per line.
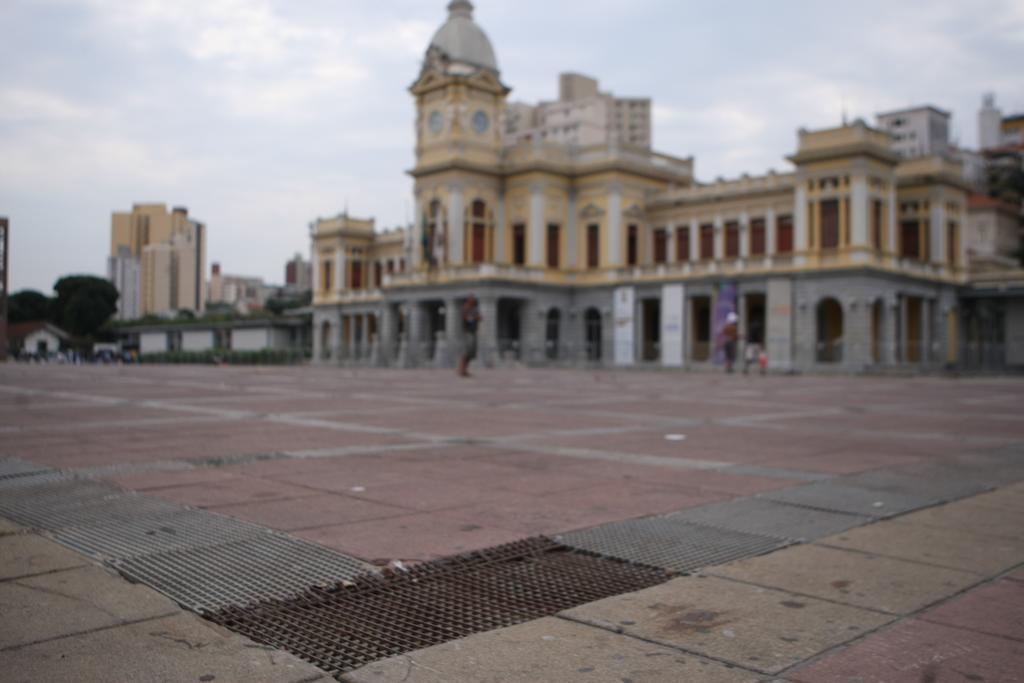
<point x="169" y="251"/>
<point x="298" y="274"/>
<point x="125" y="271"/>
<point x="582" y="116"/>
<point x="995" y="130"/>
<point x="917" y="132"/>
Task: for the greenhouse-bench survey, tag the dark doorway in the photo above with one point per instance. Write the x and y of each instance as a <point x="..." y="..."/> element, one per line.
<point x="651" y="345"/>
<point x="700" y="343"/>
<point x="830" y="331"/>
<point x="592" y="322"/>
<point x="510" y="328"/>
<point x="554" y="321"/>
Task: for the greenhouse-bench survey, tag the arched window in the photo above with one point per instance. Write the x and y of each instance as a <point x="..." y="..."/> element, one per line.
<point x="830" y="332"/>
<point x="551" y="334"/>
<point x="433" y="235"/>
<point x="478" y="232"/>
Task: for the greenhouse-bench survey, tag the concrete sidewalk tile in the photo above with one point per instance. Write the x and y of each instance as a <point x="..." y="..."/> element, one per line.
<point x="1009" y="498"/>
<point x="547" y="650"/>
<point x="915" y="651"/>
<point x="73" y="601"/>
<point x="970" y="517"/>
<point x="176" y="648"/>
<point x="314" y="511"/>
<point x="28" y="554"/>
<point x="986" y="555"/>
<point x="869" y="581"/>
<point x="997" y="609"/>
<point x="758" y="628"/>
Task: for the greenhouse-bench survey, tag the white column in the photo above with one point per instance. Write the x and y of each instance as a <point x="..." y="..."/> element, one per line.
<point x="892" y="237"/>
<point x="417" y="236"/>
<point x="694" y="240"/>
<point x="571" y="236"/>
<point x="937" y="223"/>
<point x="500" y="237"/>
<point x="613" y="237"/>
<point x="800" y="222"/>
<point x="719" y="238"/>
<point x="341" y="282"/>
<point x="456" y="225"/>
<point x="744" y="235"/>
<point x="535" y="240"/>
<point x="769" y="232"/>
<point x="670" y="243"/>
<point x="859" y="212"/>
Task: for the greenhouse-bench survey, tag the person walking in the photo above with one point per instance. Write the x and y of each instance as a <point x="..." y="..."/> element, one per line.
<point x="470" y="321"/>
<point x="731" y="334"/>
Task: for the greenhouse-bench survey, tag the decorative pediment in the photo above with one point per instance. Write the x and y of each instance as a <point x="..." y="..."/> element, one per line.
<point x="591" y="211"/>
<point x="486" y="80"/>
<point x="635" y="211"/>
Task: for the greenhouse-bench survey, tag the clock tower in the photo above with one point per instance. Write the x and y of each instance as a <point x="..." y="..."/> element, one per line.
<point x="460" y="104"/>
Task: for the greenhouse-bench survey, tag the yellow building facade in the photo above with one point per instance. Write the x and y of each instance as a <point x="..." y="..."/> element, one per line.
<point x="617" y="255"/>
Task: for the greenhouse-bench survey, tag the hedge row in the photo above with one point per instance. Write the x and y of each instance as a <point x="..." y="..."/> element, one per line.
<point x="264" y="357"/>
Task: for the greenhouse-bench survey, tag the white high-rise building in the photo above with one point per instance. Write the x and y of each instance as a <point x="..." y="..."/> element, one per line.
<point x="582" y="116"/>
<point x="918" y="131"/>
<point x="990" y="123"/>
<point x="124" y="270"/>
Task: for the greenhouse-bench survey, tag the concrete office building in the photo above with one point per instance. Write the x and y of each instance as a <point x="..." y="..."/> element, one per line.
<point x="613" y="254"/>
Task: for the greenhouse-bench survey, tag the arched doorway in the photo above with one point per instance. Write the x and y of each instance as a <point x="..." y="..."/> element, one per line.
<point x="554" y="320"/>
<point x="876" y="331"/>
<point x="592" y="333"/>
<point x="325" y="340"/>
<point x="830" y="332"/>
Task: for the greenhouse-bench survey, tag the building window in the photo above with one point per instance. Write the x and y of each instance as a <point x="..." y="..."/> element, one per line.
<point x="660" y="245"/>
<point x="876" y="224"/>
<point x="519" y="244"/>
<point x="829" y="212"/>
<point x="378" y="274"/>
<point x="682" y="244"/>
<point x="593" y="246"/>
<point x="357" y="274"/>
<point x="784" y="235"/>
<point x="479" y="232"/>
<point x="554" y="246"/>
<point x="328" y="275"/>
<point x="707" y="242"/>
<point x="401" y="265"/>
<point x="757" y="237"/>
<point x="910" y="239"/>
<point x="631" y="246"/>
<point x="391" y="266"/>
<point x="952" y="243"/>
<point x="732" y="239"/>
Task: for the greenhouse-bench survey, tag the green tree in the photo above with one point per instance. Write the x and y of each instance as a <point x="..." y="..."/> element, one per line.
<point x="84" y="304"/>
<point x="27" y="306"/>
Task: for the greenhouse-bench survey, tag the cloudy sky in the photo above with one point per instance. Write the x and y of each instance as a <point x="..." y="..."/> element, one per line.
<point x="260" y="115"/>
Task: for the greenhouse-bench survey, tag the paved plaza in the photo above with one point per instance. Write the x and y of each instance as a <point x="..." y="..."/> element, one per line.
<point x="892" y="508"/>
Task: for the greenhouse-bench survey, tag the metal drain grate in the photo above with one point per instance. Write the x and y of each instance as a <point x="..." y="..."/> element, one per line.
<point x="381" y="616"/>
<point x="50" y="495"/>
<point x="105" y="510"/>
<point x="13" y="467"/>
<point x="14" y="483"/>
<point x="832" y="496"/>
<point x="133" y="537"/>
<point x="768" y="518"/>
<point x="243" y="572"/>
<point x="670" y="543"/>
<point x="936" y="482"/>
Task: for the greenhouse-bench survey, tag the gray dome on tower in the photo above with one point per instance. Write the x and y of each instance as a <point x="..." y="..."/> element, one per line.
<point x="461" y="42"/>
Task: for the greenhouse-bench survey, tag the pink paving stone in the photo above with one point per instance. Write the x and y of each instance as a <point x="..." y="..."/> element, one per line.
<point x="582" y="508"/>
<point x="417" y="494"/>
<point x="1016" y="576"/>
<point x="996" y="609"/>
<point x="417" y="538"/>
<point x="724" y="482"/>
<point x="231" y="491"/>
<point x="841" y="462"/>
<point x="915" y="651"/>
<point x="310" y="512"/>
<point x="163" y="480"/>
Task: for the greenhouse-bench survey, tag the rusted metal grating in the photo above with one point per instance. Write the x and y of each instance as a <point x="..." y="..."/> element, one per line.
<point x="379" y="616"/>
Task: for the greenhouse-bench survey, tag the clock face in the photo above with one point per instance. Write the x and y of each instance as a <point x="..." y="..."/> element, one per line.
<point x="480" y="122"/>
<point x="436" y="122"/>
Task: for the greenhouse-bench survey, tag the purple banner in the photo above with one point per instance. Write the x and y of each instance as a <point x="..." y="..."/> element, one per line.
<point x="724" y="308"/>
